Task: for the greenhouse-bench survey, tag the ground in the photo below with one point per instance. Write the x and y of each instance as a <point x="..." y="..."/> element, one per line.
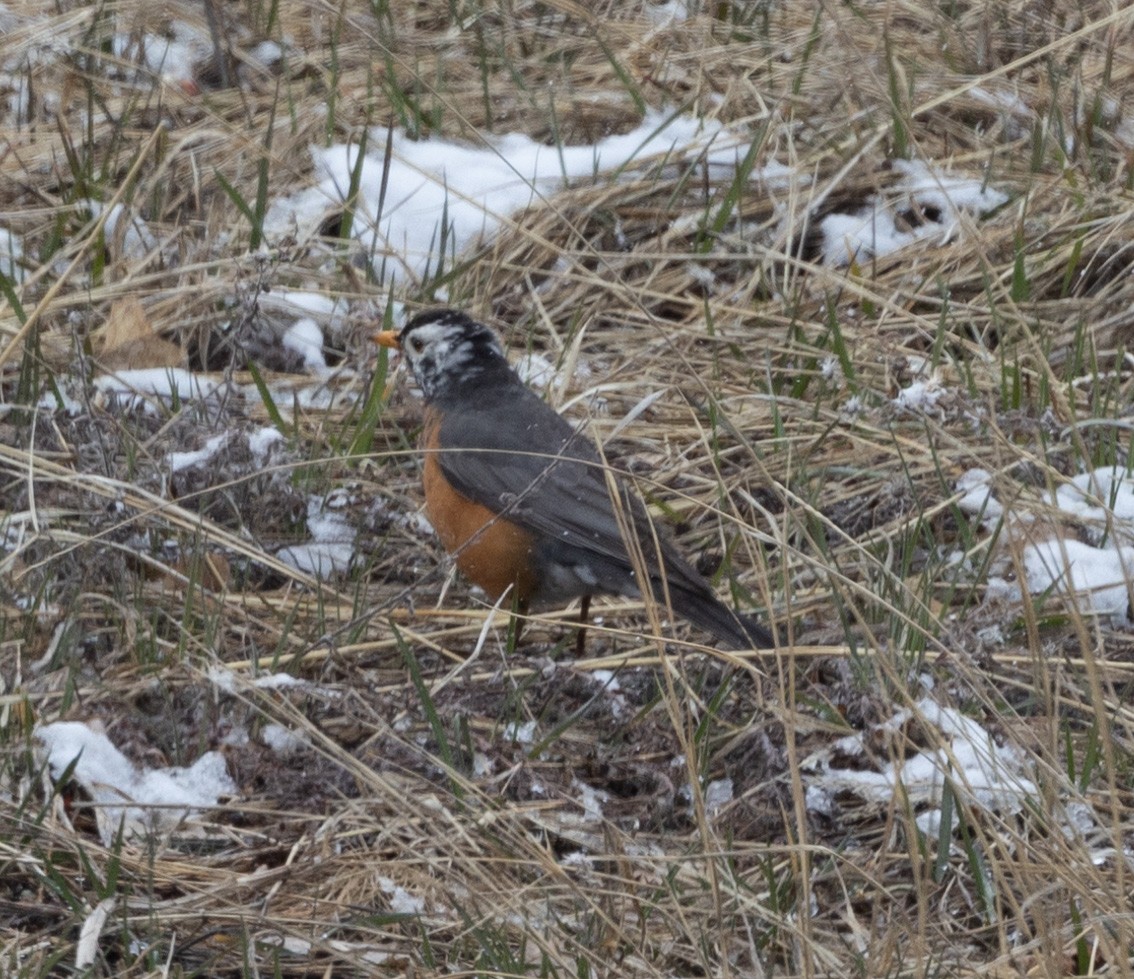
<point x="843" y="290"/>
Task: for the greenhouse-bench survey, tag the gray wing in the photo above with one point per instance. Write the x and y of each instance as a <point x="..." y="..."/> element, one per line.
<point x="527" y="464"/>
<point x="531" y="466"/>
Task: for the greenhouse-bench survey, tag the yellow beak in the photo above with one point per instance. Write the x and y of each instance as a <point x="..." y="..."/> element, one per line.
<point x="387" y="338"/>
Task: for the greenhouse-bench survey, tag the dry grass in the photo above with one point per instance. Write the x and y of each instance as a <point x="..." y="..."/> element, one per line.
<point x="124" y="589"/>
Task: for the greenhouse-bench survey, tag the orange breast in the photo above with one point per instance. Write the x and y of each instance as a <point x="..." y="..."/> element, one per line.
<point x="489" y="550"/>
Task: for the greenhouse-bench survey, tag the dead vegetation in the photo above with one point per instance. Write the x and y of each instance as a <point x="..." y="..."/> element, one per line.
<point x="448" y="803"/>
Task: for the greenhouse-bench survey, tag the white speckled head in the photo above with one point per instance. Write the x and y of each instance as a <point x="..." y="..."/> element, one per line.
<point x="444" y="347"/>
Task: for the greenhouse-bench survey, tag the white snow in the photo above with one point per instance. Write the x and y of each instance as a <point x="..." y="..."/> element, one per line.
<point x="609" y="682"/>
<point x="186" y="460"/>
<point x="332" y="542"/>
<point x="937" y="201"/>
<point x="129" y="388"/>
<point x="474" y="188"/>
<point x="319" y="558"/>
<point x="298" y="303"/>
<point x="137" y="238"/>
<point x="305" y="337"/>
<point x="920" y="397"/>
<point x="278" y="681"/>
<point x="591" y="799"/>
<point x="1099" y="496"/>
<point x="267" y="53"/>
<point x="319" y="396"/>
<point x="282" y="740"/>
<point x="1098" y="575"/>
<point x="1016" y="116"/>
<point x="262" y="440"/>
<point x="171" y="57"/>
<point x="986" y="774"/>
<point x="11" y="256"/>
<point x="222" y="678"/>
<point x="18" y="92"/>
<point x="1098" y="579"/>
<point x="535" y="370"/>
<point x="10" y="20"/>
<point x="1007" y="102"/>
<point x="48" y="401"/>
<point x="520" y="732"/>
<point x="666" y="12"/>
<point x="228" y="682"/>
<point x="718" y="793"/>
<point x="878" y="767"/>
<point x="607" y="679"/>
<point x="401" y="901"/>
<point x="978" y="500"/>
<point x="143" y="800"/>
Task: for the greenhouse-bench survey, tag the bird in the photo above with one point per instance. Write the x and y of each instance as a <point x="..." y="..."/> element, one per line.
<point x="520" y="497"/>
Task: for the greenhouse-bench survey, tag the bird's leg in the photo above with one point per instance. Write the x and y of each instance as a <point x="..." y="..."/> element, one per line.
<point x="581" y="637"/>
<point x="516" y="622"/>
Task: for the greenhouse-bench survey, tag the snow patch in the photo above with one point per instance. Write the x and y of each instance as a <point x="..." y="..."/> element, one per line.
<point x="439" y="194"/>
<point x="978" y="499"/>
<point x="140" y="800"/>
<point x="718" y="794"/>
<point x="1099" y="497"/>
<point x="262" y="440"/>
<point x="332" y="542"/>
<point x="520" y="732"/>
<point x="305" y="337"/>
<point x="924" y="204"/>
<point x="1098" y="579"/>
<point x="284" y="741"/>
<point x="132" y="388"/>
<point x="876" y="764"/>
<point x="187" y="460"/>
<point x="11" y="256"/>
<point x="401" y="901"/>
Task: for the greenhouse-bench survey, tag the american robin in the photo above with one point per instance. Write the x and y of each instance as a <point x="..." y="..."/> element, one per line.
<point x="521" y="499"/>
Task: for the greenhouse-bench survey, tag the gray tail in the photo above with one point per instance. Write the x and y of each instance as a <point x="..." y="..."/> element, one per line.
<point x="707" y="612"/>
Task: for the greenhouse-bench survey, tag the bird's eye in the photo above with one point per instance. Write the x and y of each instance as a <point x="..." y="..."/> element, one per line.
<point x="415" y="345"/>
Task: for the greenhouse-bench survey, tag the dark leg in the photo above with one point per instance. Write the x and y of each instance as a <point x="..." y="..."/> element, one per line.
<point x="516" y="624"/>
<point x="581" y="638"/>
